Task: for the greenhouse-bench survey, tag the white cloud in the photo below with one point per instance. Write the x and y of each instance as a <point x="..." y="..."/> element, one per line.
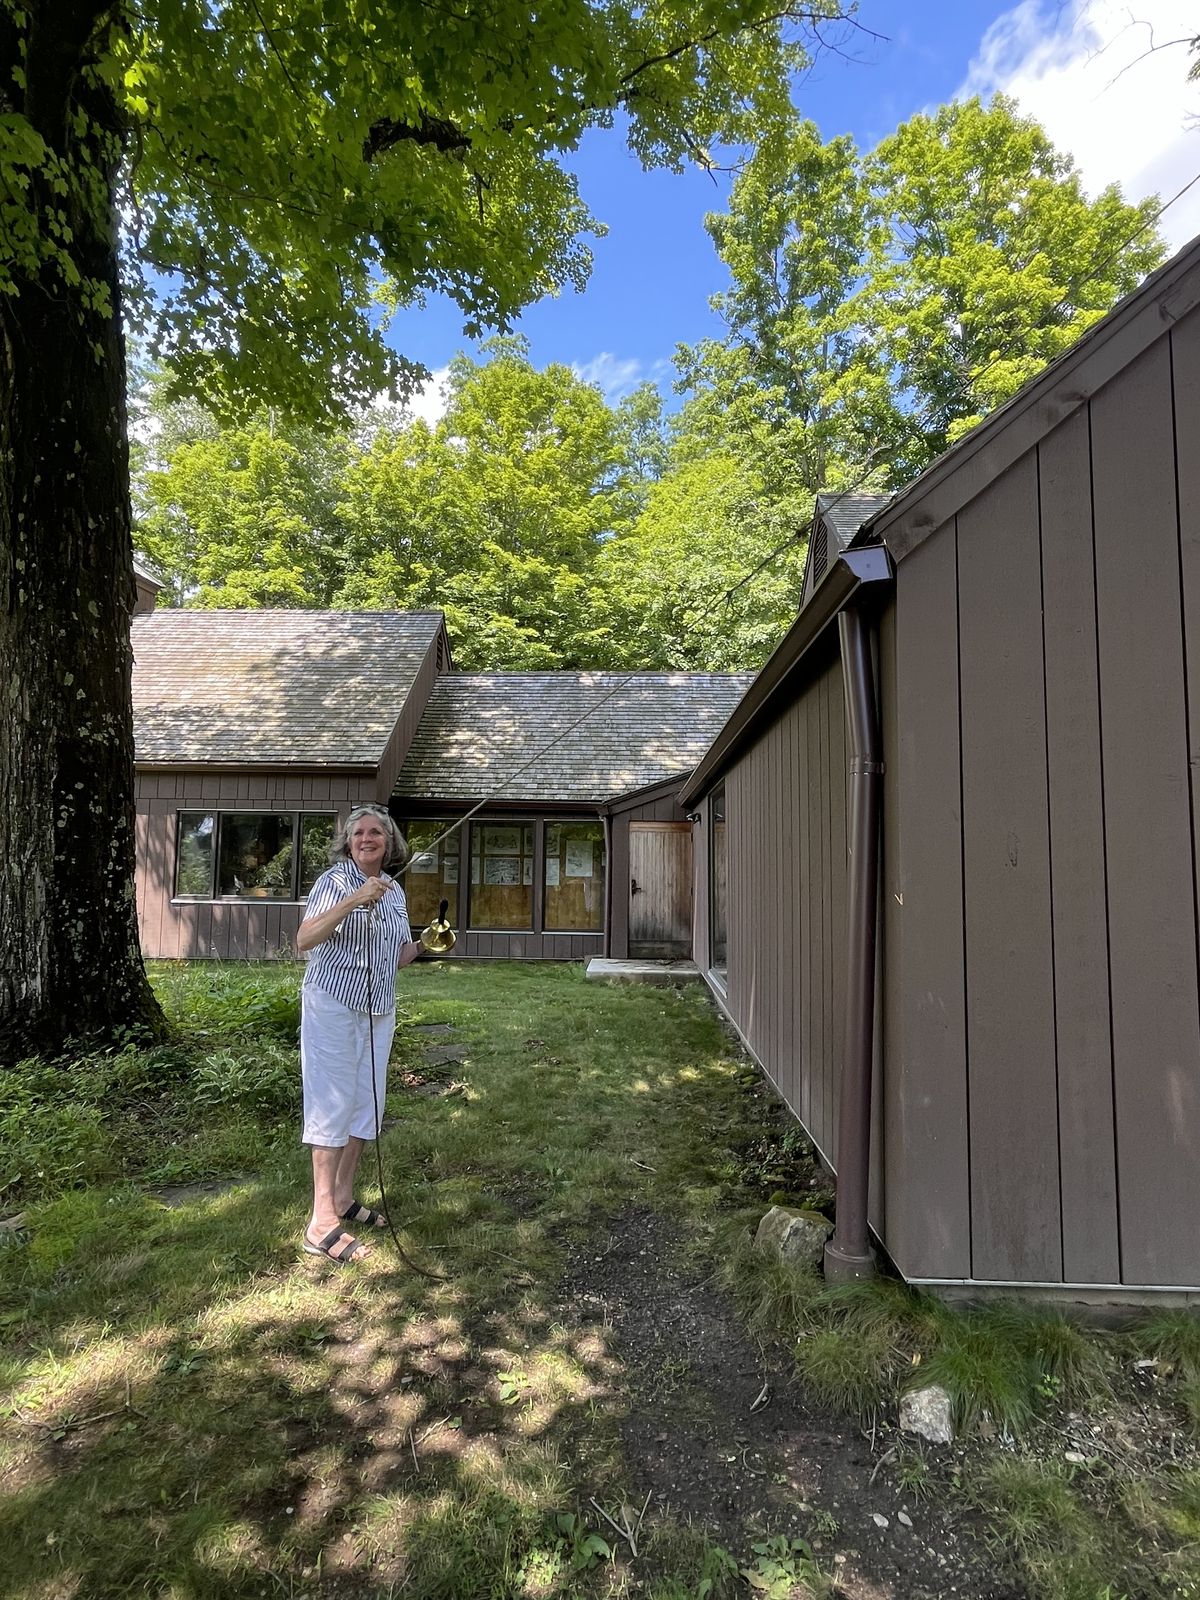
<point x="429" y="402"/>
<point x="618" y="376"/>
<point x="1087" y="71"/>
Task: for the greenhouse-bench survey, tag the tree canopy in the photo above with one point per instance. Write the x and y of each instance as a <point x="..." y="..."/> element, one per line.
<point x="879" y="305"/>
<point x="256" y="184"/>
<point x="876" y="306"/>
<point x="296" y="169"/>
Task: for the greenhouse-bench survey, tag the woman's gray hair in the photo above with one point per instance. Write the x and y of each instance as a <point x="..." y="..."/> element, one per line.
<point x="396" y="855"/>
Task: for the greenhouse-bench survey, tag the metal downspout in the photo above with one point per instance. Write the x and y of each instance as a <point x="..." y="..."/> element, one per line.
<point x="848" y="1254"/>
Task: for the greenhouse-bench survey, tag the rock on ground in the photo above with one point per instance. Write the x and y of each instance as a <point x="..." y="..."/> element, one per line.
<point x="928" y="1412"/>
<point x="795" y="1236"/>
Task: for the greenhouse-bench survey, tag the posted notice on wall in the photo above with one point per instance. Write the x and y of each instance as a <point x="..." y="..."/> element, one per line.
<point x="579" y="858"/>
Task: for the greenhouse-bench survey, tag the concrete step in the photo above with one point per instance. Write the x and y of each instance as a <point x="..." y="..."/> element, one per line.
<point x="642" y="971"/>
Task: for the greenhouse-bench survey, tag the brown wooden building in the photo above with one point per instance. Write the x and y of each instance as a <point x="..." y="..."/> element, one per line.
<point x="253" y="732"/>
<point x="256" y="731"/>
<point x="578" y="772"/>
<point x="947" y="890"/>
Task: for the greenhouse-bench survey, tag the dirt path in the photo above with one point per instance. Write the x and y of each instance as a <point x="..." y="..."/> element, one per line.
<point x="695" y="1441"/>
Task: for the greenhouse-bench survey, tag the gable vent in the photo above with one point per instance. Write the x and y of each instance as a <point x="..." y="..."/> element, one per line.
<point x="820" y="554"/>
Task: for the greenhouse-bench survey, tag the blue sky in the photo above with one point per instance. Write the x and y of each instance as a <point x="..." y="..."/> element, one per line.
<point x="1085" y="68"/>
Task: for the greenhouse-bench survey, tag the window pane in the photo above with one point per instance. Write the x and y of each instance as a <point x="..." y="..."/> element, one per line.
<point x="195" y="854"/>
<point x="316" y="835"/>
<point x="432" y="874"/>
<point x="256" y="856"/>
<point x="574" y="877"/>
<point x="501" y="875"/>
<point x="719" y="881"/>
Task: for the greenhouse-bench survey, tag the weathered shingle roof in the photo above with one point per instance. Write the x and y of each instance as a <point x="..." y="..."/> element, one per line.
<point x="273" y="687"/>
<point x="846" y="513"/>
<point x="479" y="728"/>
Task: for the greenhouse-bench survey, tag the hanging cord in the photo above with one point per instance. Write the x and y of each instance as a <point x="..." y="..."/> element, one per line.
<point x="424" y="1272"/>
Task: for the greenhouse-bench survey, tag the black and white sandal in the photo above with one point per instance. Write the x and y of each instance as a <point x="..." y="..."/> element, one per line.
<point x="347" y="1253"/>
<point x="363" y="1215"/>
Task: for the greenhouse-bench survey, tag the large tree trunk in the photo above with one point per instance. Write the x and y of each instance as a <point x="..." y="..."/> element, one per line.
<point x="70" y="965"/>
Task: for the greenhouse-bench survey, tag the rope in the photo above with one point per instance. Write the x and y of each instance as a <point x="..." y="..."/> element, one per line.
<point x="424" y="1272"/>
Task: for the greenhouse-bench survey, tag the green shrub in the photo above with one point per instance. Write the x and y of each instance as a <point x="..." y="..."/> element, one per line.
<point x="235" y="998"/>
<point x="264" y="1081"/>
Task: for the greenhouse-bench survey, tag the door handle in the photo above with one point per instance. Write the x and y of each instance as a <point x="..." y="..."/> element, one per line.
<point x="634" y="886"/>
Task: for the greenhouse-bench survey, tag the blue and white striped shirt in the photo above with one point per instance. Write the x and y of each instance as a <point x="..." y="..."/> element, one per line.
<point x="339" y="966"/>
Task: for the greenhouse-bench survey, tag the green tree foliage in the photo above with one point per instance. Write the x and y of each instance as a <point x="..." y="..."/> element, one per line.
<point x="878" y="306"/>
<point x="793" y="383"/>
<point x="246" y="517"/>
<point x="496" y="515"/>
<point x="993" y="262"/>
<point x="552" y="529"/>
<point x="662" y="590"/>
<point x="299" y="166"/>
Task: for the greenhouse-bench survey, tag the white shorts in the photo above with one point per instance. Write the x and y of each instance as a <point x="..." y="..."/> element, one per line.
<point x="335" y="1063"/>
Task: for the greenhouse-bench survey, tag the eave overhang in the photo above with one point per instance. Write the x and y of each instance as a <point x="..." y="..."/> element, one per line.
<point x="851" y="572"/>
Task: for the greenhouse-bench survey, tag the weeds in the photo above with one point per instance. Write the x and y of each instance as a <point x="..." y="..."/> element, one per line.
<point x="1061" y="1544"/>
<point x="784" y="1569"/>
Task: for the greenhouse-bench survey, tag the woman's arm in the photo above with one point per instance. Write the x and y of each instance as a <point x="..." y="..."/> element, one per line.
<point x="409" y="953"/>
<point x="315" y="930"/>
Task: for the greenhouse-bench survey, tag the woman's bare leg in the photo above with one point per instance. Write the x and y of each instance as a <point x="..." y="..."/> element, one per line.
<point x="326" y="1213"/>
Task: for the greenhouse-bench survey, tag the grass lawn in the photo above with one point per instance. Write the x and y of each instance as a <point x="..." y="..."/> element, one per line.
<point x="190" y="1407"/>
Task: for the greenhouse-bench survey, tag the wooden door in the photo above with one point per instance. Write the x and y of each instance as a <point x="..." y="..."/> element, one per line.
<point x="660" y="890"/>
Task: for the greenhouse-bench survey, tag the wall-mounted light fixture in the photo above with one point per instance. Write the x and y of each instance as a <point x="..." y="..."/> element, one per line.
<point x="693" y="816"/>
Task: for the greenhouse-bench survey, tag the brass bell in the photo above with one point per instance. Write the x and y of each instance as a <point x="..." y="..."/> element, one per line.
<point x="439" y="937"/>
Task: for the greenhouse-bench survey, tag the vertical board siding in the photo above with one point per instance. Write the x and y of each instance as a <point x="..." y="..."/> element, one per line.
<point x="1185" y="355"/>
<point x="837" y="796"/>
<point x="792" y="896"/>
<point x="701" y="851"/>
<point x="1082" y="1024"/>
<point x="1148" y="817"/>
<point x="786" y="801"/>
<point x="1013" y="1127"/>
<point x="929" y="1207"/>
<point x="811" y="956"/>
<point x="804" y="1034"/>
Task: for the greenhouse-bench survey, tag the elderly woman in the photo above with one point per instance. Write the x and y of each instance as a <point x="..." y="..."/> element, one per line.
<point x="356" y="928"/>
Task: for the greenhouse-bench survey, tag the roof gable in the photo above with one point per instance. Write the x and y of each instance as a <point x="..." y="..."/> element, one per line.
<point x="963" y="471"/>
<point x="563" y="736"/>
<point x="837" y="517"/>
<point x="274" y="688"/>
